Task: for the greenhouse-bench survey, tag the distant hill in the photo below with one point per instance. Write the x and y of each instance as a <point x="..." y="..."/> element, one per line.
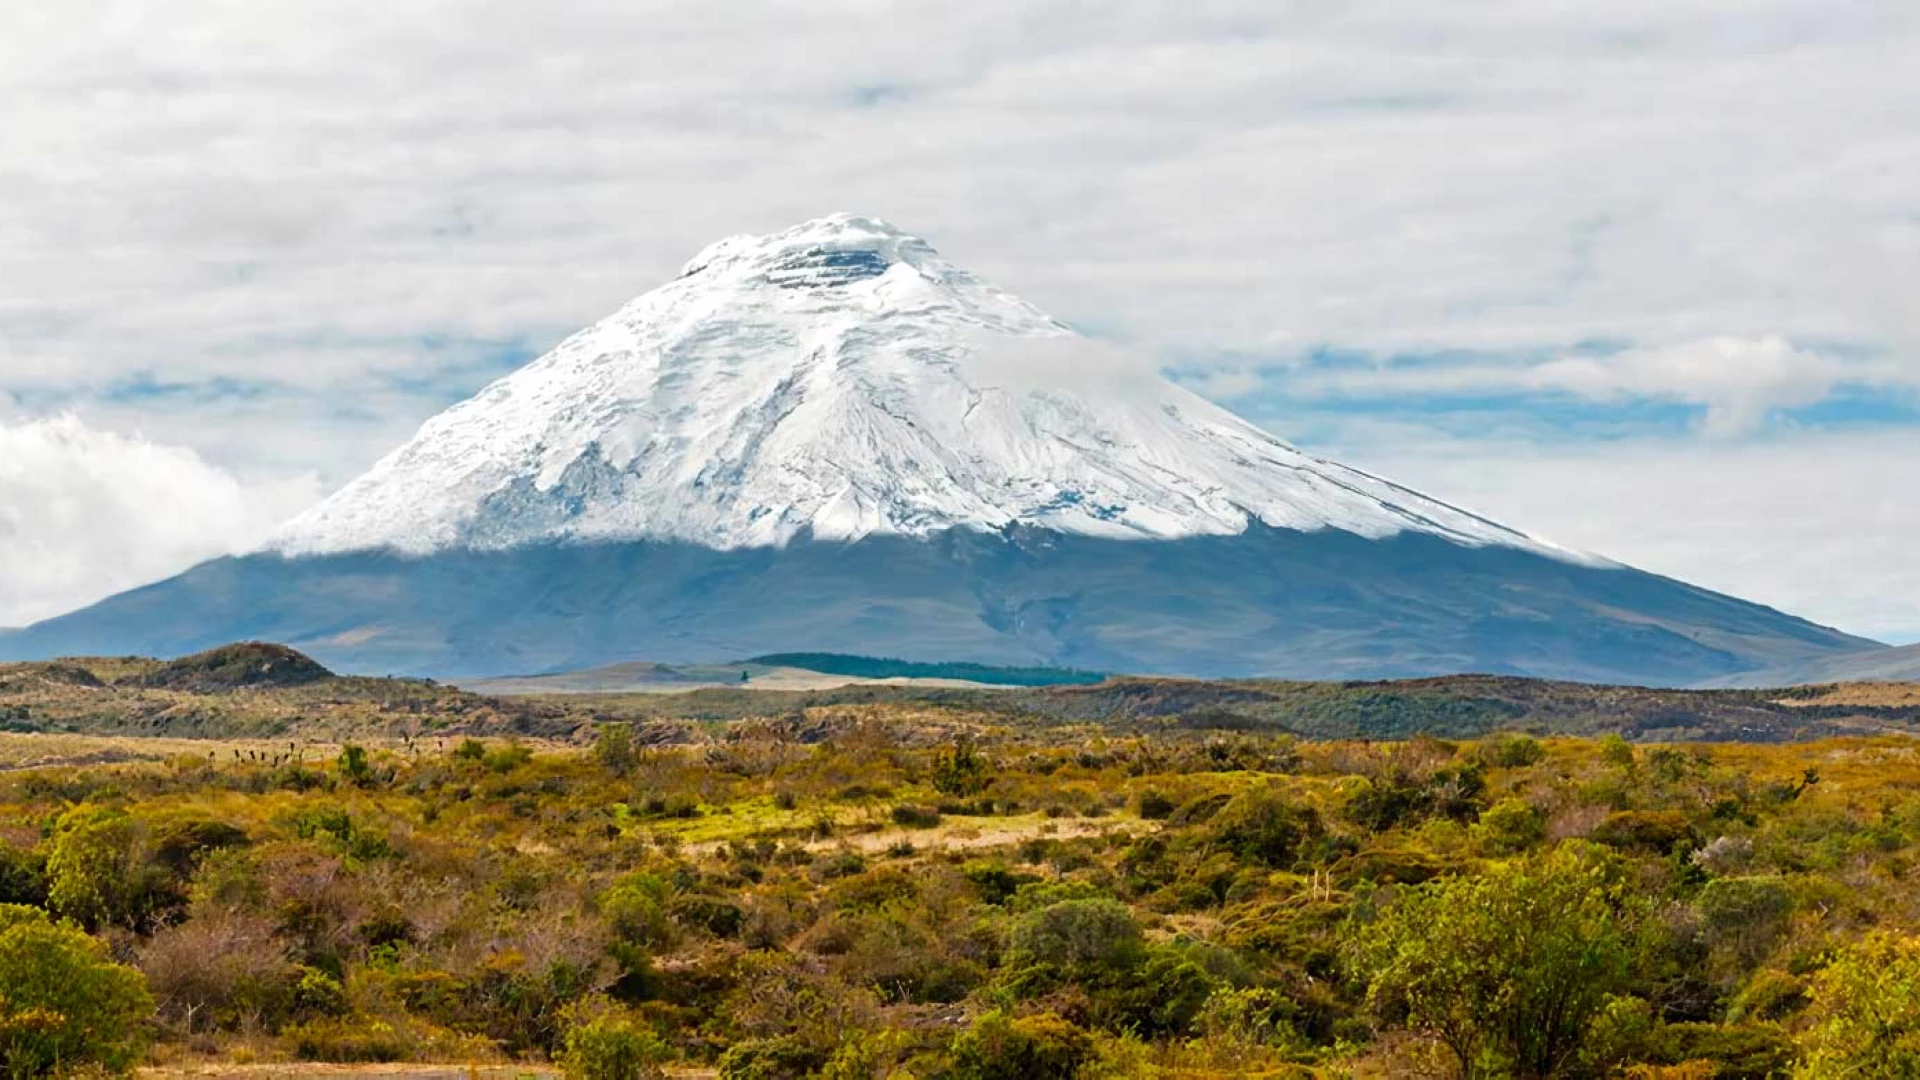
<point x="250" y="664"/>
<point x="777" y="672"/>
<point x="256" y="689"/>
<point x="1469" y="705"/>
<point x="1466" y="706"/>
<point x="1877" y="665"/>
<point x="872" y="667"/>
<point x="252" y="690"/>
<point x="51" y="673"/>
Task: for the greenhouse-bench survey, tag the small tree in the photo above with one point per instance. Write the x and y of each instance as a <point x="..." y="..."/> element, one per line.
<point x="1616" y="751"/>
<point x="635" y="907"/>
<point x="613" y="748"/>
<point x="354" y="767"/>
<point x="1507" y="969"/>
<point x="62" y="1002"/>
<point x="960" y="770"/>
<point x="91" y="865"/>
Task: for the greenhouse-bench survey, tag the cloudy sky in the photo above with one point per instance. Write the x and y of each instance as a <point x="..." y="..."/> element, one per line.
<point x="1642" y="276"/>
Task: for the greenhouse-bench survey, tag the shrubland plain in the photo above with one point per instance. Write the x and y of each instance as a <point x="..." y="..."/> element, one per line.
<point x="352" y="872"/>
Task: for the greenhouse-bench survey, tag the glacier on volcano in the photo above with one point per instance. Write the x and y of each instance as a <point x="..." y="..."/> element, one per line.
<point x="841" y="380"/>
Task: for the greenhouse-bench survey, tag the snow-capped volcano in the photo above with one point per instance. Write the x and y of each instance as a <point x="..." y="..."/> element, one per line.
<point x="841" y="379"/>
<point x="832" y="440"/>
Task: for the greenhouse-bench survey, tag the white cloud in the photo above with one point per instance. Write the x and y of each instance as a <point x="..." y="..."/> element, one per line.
<point x="1032" y="364"/>
<point x="1818" y="524"/>
<point x="293" y="196"/>
<point x="86" y="513"/>
<point x="297" y="193"/>
<point x="1740" y="381"/>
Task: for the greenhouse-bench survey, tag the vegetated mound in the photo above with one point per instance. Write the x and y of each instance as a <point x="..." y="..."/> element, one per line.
<point x="1465" y="706"/>
<point x="52" y="673"/>
<point x="875" y="667"/>
<point x="244" y="666"/>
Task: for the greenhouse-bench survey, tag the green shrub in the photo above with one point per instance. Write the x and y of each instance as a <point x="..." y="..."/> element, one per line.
<point x="1513" y="752"/>
<point x="1510" y="967"/>
<point x="1744" y="916"/>
<point x="23" y="875"/>
<point x="1248" y="1018"/>
<point x="179" y="843"/>
<point x="996" y="881"/>
<point x="353" y="765"/>
<point x="1658" y="831"/>
<point x="337" y="829"/>
<point x="1153" y="806"/>
<point x="319" y="994"/>
<point x="1508" y="827"/>
<point x="1164" y="997"/>
<point x="1079" y="940"/>
<point x="636" y="907"/>
<point x="1737" y="1051"/>
<point x="1097" y="946"/>
<point x="1261" y="825"/>
<point x="866" y="1055"/>
<point x="613" y="748"/>
<point x="1038" y="1047"/>
<point x="910" y="816"/>
<point x="714" y="914"/>
<point x="606" y="1042"/>
<point x="960" y="771"/>
<point x="91" y="874"/>
<point x="354" y="1040"/>
<point x="1616" y="751"/>
<point x="507" y="758"/>
<point x="1866" y="1011"/>
<point x="780" y="1058"/>
<point x="1768" y="995"/>
<point x="63" y="1003"/>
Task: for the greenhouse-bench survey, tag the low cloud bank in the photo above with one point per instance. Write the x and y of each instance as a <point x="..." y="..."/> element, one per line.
<point x="86" y="513"/>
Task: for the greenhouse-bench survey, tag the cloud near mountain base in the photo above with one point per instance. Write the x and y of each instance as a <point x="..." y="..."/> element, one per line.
<point x="86" y="513"/>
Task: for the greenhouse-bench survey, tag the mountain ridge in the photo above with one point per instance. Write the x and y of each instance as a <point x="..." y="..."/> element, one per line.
<point x="1897" y="664"/>
<point x="1267" y="602"/>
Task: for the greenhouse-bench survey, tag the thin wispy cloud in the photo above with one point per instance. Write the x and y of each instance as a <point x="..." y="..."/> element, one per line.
<point x="1737" y="383"/>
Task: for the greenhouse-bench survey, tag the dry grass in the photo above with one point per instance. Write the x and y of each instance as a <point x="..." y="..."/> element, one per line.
<point x="1877" y="695"/>
<point x="310" y="1070"/>
<point x="39" y="751"/>
<point x="46" y="750"/>
<point x="951" y="835"/>
<point x="317" y="1071"/>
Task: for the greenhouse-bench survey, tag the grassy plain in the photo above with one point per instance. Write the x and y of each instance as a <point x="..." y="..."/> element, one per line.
<point x="1144" y="878"/>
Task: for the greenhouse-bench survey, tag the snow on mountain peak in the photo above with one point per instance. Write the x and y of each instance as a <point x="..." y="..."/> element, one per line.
<point x="840" y="379"/>
<point x="833" y="233"/>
